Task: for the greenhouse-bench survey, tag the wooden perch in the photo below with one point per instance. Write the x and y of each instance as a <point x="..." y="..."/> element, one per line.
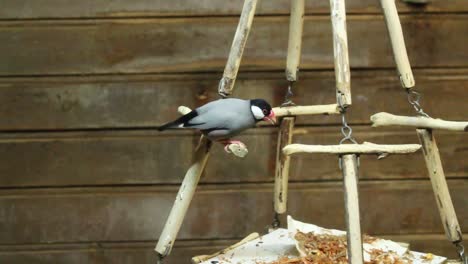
<point x="296" y="24"/>
<point x="340" y="52"/>
<point x="351" y="197"/>
<point x="439" y="185"/>
<point x="364" y="148"/>
<point x="183" y="198"/>
<point x="386" y="119"/>
<point x="226" y="85"/>
<point x="282" y="165"/>
<point x="306" y="110"/>
<point x="398" y="43"/>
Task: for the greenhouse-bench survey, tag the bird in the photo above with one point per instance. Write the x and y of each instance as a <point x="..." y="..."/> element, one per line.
<point x="222" y="119"/>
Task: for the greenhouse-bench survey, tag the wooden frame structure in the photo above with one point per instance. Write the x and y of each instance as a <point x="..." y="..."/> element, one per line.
<point x="424" y="126"/>
<point x="348" y="153"/>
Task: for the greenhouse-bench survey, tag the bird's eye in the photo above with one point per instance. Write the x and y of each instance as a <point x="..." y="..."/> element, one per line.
<point x="265" y="112"/>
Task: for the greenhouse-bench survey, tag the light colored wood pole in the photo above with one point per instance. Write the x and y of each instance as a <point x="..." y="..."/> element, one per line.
<point x="184" y="196"/>
<point x="340" y="51"/>
<point x="296" y="24"/>
<point x="364" y="148"/>
<point x="306" y="110"/>
<point x="226" y="85"/>
<point x="398" y="43"/>
<point x="386" y="119"/>
<point x="439" y="185"/>
<point x="282" y="165"/>
<point x="351" y="197"/>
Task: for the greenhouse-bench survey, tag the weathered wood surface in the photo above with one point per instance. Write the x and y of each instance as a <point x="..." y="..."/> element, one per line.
<point x="105" y="158"/>
<point x="226" y="84"/>
<point x="30" y="9"/>
<point x="282" y="165"/>
<point x="142" y="101"/>
<point x="352" y="212"/>
<point x="142" y="252"/>
<point x="386" y="119"/>
<point x="436" y="173"/>
<point x="169" y="45"/>
<point x="397" y="39"/>
<point x="217" y="212"/>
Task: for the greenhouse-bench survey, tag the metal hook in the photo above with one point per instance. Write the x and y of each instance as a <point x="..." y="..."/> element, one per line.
<point x="461" y="252"/>
<point x="414" y="98"/>
<point x="289" y="94"/>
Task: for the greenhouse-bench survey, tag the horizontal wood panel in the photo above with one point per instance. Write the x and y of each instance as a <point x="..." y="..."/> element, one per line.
<point x="202" y="44"/>
<point x="143" y="101"/>
<point x="142" y="252"/>
<point x="95" y="158"/>
<point x="230" y="211"/>
<point x="30" y="9"/>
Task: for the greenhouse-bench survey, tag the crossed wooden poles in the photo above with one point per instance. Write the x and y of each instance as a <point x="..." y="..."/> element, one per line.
<point x="348" y="153"/>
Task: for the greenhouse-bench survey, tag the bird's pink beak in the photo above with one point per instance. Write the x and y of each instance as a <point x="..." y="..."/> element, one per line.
<point x="271" y="117"/>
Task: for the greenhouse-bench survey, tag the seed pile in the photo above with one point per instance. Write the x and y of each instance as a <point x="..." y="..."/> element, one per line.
<point x="330" y="249"/>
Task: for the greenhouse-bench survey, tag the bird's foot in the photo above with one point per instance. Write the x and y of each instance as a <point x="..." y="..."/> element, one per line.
<point x="235" y="147"/>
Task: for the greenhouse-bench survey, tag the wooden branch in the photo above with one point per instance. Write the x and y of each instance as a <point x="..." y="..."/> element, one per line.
<point x="226" y="85"/>
<point x="306" y="110"/>
<point x="200" y="259"/>
<point x="296" y="24"/>
<point x="351" y="197"/>
<point x="364" y="148"/>
<point x="386" y="119"/>
<point x="340" y="51"/>
<point x="439" y="185"/>
<point x="185" y="194"/>
<point x="398" y="43"/>
<point x="282" y="165"/>
<point x="183" y="198"/>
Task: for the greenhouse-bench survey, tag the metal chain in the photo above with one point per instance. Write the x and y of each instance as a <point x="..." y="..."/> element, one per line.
<point x="289" y="94"/>
<point x="414" y="98"/>
<point x="461" y="252"/>
<point x="346" y="130"/>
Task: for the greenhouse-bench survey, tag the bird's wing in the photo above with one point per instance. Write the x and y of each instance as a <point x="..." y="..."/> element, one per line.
<point x="213" y="119"/>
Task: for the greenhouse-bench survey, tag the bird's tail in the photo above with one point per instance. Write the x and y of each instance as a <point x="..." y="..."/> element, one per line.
<point x="179" y="122"/>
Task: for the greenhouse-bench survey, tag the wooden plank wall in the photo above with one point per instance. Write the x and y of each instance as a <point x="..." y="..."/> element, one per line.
<point x="85" y="178"/>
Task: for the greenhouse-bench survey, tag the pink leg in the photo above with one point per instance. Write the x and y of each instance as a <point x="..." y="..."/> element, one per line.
<point x="228" y="142"/>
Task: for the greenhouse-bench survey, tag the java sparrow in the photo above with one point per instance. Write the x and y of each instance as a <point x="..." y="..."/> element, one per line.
<point x="223" y="119"/>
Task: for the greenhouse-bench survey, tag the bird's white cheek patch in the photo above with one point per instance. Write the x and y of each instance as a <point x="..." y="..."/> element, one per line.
<point x="257" y="112"/>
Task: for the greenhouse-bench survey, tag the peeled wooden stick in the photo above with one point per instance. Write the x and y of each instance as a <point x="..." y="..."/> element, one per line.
<point x="306" y="110"/>
<point x="184" y="196"/>
<point x="340" y="51"/>
<point x="296" y="24"/>
<point x="351" y="197"/>
<point x="226" y="85"/>
<point x="386" y="119"/>
<point x="364" y="148"/>
<point x="282" y="165"/>
<point x="199" y="259"/>
<point x="398" y="43"/>
<point x="439" y="185"/>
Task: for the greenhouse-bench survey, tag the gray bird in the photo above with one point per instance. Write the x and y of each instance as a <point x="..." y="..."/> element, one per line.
<point x="223" y="119"/>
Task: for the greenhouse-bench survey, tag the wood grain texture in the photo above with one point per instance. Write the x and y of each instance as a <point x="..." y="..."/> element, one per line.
<point x="169" y="45"/>
<point x="30" y="9"/>
<point x="217" y="212"/>
<point x="104" y="158"/>
<point x="142" y="101"/>
<point x="142" y="252"/>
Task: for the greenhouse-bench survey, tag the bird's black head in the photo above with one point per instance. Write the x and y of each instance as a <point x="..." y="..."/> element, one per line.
<point x="262" y="110"/>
